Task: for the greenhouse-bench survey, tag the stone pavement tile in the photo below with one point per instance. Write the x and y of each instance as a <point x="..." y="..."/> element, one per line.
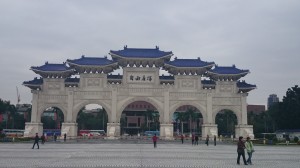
<point x="126" y="155"/>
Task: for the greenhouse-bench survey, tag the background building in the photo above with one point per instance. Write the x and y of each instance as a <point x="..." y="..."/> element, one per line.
<point x="272" y="99"/>
<point x="256" y="109"/>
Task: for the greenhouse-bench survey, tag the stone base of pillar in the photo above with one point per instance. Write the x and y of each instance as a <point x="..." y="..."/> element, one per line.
<point x="32" y="128"/>
<point x="244" y="130"/>
<point x="166" y="131"/>
<point x="70" y="129"/>
<point x="113" y="131"/>
<point x="209" y="129"/>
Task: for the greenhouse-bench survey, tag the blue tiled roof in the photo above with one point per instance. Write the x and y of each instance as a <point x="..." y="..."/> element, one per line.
<point x="141" y="53"/>
<point x="114" y="76"/>
<point x="189" y="63"/>
<point x="72" y="80"/>
<point x="228" y="70"/>
<point x="92" y="61"/>
<point x="208" y="82"/>
<point x="166" y="77"/>
<point x="243" y="84"/>
<point x="35" y="81"/>
<point x="52" y="67"/>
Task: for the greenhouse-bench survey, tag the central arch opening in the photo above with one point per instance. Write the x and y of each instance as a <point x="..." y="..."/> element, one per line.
<point x="226" y="121"/>
<point x="187" y="119"/>
<point x="140" y="118"/>
<point x="92" y="121"/>
<point x="52" y="119"/>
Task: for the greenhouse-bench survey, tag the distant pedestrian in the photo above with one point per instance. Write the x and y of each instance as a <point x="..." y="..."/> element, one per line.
<point x="215" y="140"/>
<point x="154" y="139"/>
<point x="250" y="150"/>
<point x="65" y="137"/>
<point x="182" y="138"/>
<point x="193" y="139"/>
<point x="287" y="139"/>
<point x="36" y="141"/>
<point x="241" y="150"/>
<point x="207" y="140"/>
<point x="196" y="139"/>
<point x="43" y="138"/>
<point x="55" y="137"/>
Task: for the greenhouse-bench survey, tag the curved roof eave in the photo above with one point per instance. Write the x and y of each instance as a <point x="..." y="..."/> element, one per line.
<point x="213" y="73"/>
<point x="207" y="66"/>
<point x="71" y="63"/>
<point x="113" y="54"/>
<point x="51" y="71"/>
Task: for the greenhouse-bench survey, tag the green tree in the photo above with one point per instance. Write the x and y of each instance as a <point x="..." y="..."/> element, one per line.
<point x="286" y="114"/>
<point x="181" y="117"/>
<point x="226" y="121"/>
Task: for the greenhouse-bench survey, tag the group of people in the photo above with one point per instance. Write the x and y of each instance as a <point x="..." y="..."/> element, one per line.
<point x="241" y="146"/>
<point x="43" y="139"/>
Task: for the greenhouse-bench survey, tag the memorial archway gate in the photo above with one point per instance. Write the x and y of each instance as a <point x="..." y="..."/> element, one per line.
<point x="140" y="82"/>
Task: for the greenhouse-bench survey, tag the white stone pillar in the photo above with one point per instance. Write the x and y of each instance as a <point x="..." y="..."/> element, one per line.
<point x="114" y="104"/>
<point x="209" y="129"/>
<point x="113" y="131"/>
<point x="71" y="129"/>
<point x="244" y="109"/>
<point x="34" y="109"/>
<point x="166" y="116"/>
<point x="32" y="128"/>
<point x="69" y="117"/>
<point x="209" y="111"/>
<point x="166" y="131"/>
<point x="244" y="130"/>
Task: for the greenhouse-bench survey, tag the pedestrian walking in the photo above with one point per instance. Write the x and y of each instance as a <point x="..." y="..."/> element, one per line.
<point x="154" y="139"/>
<point x="43" y="138"/>
<point x="36" y="141"/>
<point x="241" y="150"/>
<point x="207" y="140"/>
<point x="193" y="139"/>
<point x="215" y="140"/>
<point x="65" y="137"/>
<point x="182" y="138"/>
<point x="196" y="139"/>
<point x="250" y="150"/>
<point x="287" y="139"/>
<point x="55" y="137"/>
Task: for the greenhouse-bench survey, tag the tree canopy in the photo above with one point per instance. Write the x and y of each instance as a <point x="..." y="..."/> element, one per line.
<point x="286" y="114"/>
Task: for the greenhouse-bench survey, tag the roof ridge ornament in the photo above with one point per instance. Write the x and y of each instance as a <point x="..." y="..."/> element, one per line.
<point x="82" y="56"/>
<point x="199" y="58"/>
<point x="157" y="47"/>
<point x="233" y="65"/>
<point x="125" y="47"/>
<point x="46" y="63"/>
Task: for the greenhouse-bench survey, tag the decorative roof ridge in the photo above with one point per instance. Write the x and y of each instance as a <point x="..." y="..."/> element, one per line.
<point x="47" y="63"/>
<point x="126" y="48"/>
<point x="190" y="59"/>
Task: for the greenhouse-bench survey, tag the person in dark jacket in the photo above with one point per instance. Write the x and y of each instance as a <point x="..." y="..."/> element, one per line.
<point x="154" y="139"/>
<point x="65" y="137"/>
<point x="36" y="141"/>
<point x="43" y="138"/>
<point x="196" y="139"/>
<point x="182" y="138"/>
<point x="241" y="150"/>
<point x="207" y="140"/>
<point x="215" y="140"/>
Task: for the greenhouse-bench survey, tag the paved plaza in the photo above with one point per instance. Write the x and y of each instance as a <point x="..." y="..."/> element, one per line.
<point x="136" y="154"/>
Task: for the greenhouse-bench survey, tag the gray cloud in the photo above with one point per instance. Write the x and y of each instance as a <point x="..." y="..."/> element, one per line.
<point x="262" y="36"/>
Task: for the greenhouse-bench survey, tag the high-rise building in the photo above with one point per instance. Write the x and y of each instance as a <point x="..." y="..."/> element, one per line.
<point x="272" y="99"/>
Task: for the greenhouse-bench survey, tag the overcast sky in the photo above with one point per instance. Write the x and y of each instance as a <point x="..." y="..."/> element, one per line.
<point x="262" y="36"/>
